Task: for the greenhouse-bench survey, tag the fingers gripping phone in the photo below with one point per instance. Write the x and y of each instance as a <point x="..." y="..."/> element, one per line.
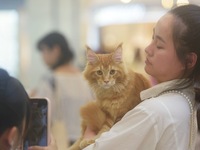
<point x="38" y="133"/>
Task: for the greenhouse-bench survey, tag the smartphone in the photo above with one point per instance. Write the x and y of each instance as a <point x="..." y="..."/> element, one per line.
<point x="39" y="129"/>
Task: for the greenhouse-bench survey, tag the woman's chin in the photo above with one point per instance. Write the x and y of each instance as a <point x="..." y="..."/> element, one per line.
<point x="147" y="70"/>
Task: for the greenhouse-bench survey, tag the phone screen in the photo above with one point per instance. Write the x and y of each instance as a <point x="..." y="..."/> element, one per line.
<point x="37" y="133"/>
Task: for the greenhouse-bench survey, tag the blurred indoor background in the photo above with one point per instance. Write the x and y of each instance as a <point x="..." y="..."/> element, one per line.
<point x="100" y="24"/>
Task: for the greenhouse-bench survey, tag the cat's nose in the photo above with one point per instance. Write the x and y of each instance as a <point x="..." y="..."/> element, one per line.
<point x="106" y="81"/>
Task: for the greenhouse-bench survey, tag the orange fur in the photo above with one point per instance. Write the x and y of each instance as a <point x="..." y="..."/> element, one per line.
<point x="116" y="92"/>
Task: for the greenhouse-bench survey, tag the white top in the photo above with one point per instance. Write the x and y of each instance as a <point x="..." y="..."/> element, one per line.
<point x="158" y="123"/>
<point x="67" y="93"/>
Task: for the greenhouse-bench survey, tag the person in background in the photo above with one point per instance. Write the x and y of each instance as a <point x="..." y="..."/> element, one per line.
<point x="65" y="87"/>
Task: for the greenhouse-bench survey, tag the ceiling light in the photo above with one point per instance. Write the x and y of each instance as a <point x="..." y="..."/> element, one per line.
<point x="126" y="1"/>
<point x="167" y="3"/>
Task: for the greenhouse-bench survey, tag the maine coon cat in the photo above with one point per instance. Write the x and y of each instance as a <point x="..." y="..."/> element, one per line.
<point x="117" y="90"/>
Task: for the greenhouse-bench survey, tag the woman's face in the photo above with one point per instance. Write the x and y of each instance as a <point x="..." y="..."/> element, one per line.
<point x="50" y="55"/>
<point x="162" y="61"/>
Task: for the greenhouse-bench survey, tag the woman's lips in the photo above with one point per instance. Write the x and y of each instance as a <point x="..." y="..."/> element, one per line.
<point x="148" y="62"/>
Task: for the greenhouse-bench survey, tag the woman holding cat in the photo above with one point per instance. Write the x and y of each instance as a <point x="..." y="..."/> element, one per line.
<point x="166" y="117"/>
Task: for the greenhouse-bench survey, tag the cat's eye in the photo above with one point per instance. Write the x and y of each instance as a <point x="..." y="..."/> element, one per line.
<point x="99" y="72"/>
<point x="112" y="72"/>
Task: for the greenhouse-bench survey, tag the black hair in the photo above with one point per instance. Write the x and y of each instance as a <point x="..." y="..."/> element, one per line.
<point x="186" y="38"/>
<point x="14" y="103"/>
<point x="57" y="39"/>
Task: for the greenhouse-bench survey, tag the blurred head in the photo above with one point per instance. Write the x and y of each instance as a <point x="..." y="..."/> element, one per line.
<point x="14" y="111"/>
<point x="175" y="47"/>
<point x="55" y="50"/>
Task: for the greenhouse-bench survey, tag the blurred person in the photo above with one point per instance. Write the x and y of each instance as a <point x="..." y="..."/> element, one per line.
<point x="65" y="87"/>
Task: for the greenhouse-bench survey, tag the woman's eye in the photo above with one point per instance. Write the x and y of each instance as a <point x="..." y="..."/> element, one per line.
<point x="159" y="47"/>
<point x="99" y="72"/>
<point x="153" y="36"/>
<point x="112" y="72"/>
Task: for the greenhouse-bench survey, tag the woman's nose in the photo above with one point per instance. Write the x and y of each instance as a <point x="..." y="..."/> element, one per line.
<point x="149" y="50"/>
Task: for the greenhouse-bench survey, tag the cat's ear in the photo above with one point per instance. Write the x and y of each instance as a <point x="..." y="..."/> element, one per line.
<point x="91" y="56"/>
<point x="117" y="54"/>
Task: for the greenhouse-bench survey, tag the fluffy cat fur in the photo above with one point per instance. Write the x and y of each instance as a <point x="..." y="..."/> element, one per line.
<point x="117" y="91"/>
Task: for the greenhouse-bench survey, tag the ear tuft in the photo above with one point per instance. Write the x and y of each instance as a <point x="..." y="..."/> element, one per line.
<point x="117" y="55"/>
<point x="91" y="56"/>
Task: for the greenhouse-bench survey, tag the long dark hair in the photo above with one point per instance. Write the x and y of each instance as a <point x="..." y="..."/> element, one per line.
<point x="186" y="38"/>
<point x="14" y="104"/>
<point x="57" y="39"/>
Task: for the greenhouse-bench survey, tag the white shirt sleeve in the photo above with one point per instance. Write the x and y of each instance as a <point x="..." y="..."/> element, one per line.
<point x="136" y="131"/>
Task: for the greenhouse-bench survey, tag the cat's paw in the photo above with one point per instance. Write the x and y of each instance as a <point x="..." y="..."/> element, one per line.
<point x="85" y="143"/>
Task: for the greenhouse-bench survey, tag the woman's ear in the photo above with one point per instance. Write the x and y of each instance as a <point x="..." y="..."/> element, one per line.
<point x="8" y="138"/>
<point x="191" y="60"/>
<point x="12" y="135"/>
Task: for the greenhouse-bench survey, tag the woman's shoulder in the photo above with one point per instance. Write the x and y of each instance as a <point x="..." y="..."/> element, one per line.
<point x="163" y="101"/>
<point x="166" y="106"/>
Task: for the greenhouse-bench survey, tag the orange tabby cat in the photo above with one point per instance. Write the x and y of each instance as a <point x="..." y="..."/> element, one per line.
<point x="117" y="91"/>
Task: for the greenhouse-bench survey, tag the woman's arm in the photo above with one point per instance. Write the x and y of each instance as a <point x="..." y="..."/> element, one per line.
<point x="136" y="130"/>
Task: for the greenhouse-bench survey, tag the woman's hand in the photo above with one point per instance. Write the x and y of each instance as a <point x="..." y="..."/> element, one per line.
<point x="52" y="146"/>
<point x="89" y="134"/>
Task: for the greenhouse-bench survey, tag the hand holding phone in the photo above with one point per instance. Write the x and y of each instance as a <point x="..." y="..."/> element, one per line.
<point x="52" y="146"/>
